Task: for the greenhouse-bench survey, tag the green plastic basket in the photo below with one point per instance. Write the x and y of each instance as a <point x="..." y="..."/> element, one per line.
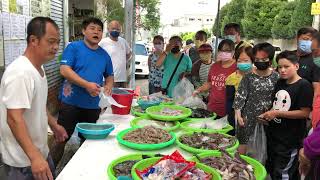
<point x="193" y="150"/>
<point x="136" y="113"/>
<point x="259" y="170"/>
<point x="186" y="126"/>
<point x="143" y="164"/>
<point x="110" y="171"/>
<point x="152" y="112"/>
<point x="135" y="121"/>
<point x="214" y="115"/>
<point x="168" y="103"/>
<point x="143" y="147"/>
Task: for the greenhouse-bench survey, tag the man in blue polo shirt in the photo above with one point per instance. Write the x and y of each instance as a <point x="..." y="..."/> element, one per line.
<point x="84" y="64"/>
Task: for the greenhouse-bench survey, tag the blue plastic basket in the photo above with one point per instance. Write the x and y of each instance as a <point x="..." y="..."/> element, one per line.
<point x="94" y="131"/>
<point x="144" y="104"/>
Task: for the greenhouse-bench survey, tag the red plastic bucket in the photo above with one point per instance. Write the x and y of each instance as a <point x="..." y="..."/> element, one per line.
<point x="123" y="99"/>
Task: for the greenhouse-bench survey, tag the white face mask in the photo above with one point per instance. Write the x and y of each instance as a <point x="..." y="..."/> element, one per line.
<point x="158" y="47"/>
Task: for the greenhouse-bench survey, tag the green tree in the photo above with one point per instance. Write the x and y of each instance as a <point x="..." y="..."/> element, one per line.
<point x="301" y="16"/>
<point x="114" y="11"/>
<point x="149" y="14"/>
<point x="223" y="13"/>
<point x="259" y="17"/>
<point x="282" y="28"/>
<point x="187" y="35"/>
<point x="235" y="13"/>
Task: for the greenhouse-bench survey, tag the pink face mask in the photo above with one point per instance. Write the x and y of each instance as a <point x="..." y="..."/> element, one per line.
<point x="158" y="47"/>
<point x="224" y="56"/>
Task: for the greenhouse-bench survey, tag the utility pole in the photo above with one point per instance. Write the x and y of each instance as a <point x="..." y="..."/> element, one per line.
<point x="217" y="31"/>
<point x="129" y="7"/>
<point x="316" y="19"/>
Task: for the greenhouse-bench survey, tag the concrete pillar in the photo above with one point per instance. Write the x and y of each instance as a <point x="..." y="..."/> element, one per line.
<point x="129" y="30"/>
<point x="65" y="22"/>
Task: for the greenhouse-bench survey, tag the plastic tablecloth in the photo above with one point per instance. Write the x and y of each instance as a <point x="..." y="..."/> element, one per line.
<point x="91" y="160"/>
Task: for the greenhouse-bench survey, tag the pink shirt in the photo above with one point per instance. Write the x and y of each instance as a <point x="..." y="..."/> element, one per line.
<point x="217" y="97"/>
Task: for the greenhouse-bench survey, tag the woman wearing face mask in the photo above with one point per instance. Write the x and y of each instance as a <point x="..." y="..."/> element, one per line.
<point x="175" y="64"/>
<point x="218" y="73"/>
<point x="155" y="76"/>
<point x="205" y="54"/>
<point x="255" y="94"/>
<point x="244" y="58"/>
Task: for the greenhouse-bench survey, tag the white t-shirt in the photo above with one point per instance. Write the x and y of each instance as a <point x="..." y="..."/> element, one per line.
<point x="22" y="87"/>
<point x="118" y="51"/>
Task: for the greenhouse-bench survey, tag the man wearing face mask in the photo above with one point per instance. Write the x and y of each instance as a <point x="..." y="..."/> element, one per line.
<point x="200" y="38"/>
<point x="232" y="32"/>
<point x="174" y="63"/>
<point x="120" y="53"/>
<point x="307" y="68"/>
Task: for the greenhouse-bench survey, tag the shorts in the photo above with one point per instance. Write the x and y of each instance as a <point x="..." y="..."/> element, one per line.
<point x="70" y="115"/>
<point x="24" y="173"/>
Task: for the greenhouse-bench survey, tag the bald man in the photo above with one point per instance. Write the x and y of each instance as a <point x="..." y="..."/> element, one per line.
<point x="120" y="53"/>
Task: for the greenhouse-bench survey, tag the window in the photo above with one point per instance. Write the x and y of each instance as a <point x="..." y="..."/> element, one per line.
<point x="140" y="50"/>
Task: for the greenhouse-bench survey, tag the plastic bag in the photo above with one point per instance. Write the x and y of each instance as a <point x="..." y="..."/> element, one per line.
<point x="182" y="90"/>
<point x="209" y="123"/>
<point x="257" y="144"/>
<point x="107" y="101"/>
<point x="168" y="167"/>
<point x="194" y="102"/>
<point x="157" y="97"/>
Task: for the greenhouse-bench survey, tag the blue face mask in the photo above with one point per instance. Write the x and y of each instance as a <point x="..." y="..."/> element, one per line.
<point x="244" y="66"/>
<point x="316" y="61"/>
<point x="231" y="37"/>
<point x="115" y="34"/>
<point x="305" y="46"/>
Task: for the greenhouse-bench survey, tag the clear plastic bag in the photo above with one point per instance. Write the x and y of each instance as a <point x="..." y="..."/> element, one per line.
<point x="182" y="90"/>
<point x="194" y="103"/>
<point x="107" y="101"/>
<point x="257" y="144"/>
<point x="209" y="123"/>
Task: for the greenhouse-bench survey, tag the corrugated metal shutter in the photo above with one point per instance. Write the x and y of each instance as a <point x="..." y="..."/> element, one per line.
<point x="52" y="68"/>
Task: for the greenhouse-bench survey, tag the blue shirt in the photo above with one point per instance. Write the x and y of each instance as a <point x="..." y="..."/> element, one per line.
<point x="91" y="65"/>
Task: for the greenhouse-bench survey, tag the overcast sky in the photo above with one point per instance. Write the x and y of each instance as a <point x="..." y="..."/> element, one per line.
<point x="170" y="9"/>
